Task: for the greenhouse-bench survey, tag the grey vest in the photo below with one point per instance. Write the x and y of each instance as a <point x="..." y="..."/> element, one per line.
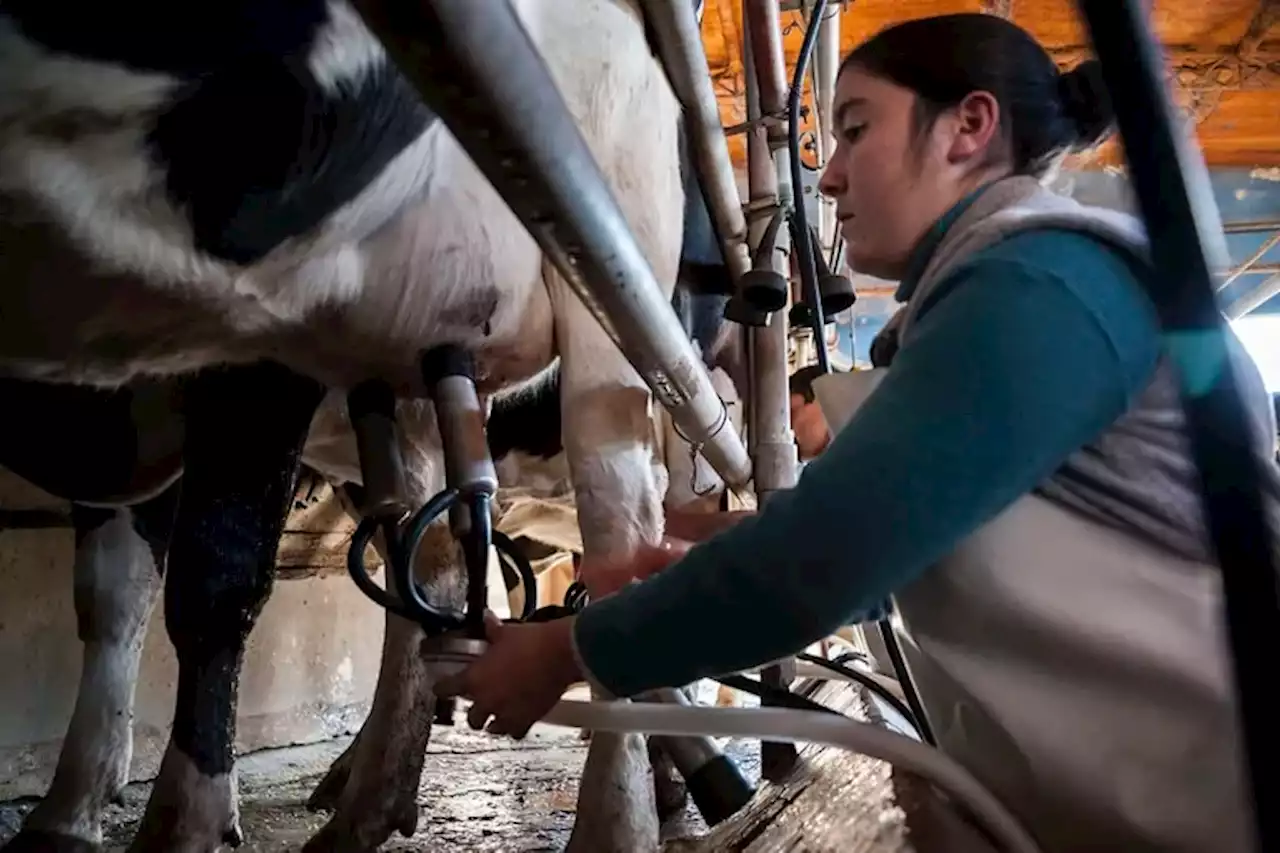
<point x="1138" y="476"/>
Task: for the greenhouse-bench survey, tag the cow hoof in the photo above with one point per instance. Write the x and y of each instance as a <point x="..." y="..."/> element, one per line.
<point x="364" y="833"/>
<point x="170" y="834"/>
<point x="328" y="793"/>
<point x="189" y="812"/>
<point x="362" y="819"/>
<point x="36" y="841"/>
<point x="670" y="795"/>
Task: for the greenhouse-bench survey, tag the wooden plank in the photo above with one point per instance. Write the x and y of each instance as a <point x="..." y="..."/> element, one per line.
<point x="842" y="802"/>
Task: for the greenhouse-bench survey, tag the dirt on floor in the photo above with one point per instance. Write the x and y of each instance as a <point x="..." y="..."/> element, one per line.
<point x="478" y="793"/>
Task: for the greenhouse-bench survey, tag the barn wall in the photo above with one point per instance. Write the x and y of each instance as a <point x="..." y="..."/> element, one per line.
<point x="309" y="672"/>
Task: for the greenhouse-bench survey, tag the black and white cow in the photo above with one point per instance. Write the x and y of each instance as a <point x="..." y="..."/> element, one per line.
<point x="117" y="455"/>
<point x="247" y="194"/>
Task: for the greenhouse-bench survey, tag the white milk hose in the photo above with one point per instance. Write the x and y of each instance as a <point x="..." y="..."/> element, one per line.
<point x="796" y="726"/>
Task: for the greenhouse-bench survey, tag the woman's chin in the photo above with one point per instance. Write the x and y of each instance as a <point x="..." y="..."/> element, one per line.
<point x="867" y="263"/>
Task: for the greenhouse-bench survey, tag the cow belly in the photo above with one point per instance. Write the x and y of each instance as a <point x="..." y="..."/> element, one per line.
<point x="458" y="268"/>
<point x="63" y="320"/>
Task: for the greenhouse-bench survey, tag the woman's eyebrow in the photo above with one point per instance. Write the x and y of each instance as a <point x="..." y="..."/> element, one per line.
<point x="845" y="106"/>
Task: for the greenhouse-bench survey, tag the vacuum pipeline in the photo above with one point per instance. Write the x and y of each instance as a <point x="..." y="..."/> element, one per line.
<point x="793" y="726"/>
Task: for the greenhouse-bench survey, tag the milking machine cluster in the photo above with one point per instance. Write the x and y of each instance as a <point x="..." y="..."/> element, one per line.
<point x="471" y="482"/>
<point x="455" y="638"/>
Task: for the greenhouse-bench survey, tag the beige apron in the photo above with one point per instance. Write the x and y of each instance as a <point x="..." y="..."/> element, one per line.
<point x="1065" y="653"/>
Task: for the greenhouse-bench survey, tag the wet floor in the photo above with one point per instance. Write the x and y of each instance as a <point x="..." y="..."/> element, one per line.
<point x="478" y="793"/>
<point x="482" y="793"/>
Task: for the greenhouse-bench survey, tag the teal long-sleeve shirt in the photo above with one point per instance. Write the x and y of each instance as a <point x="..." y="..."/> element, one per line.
<point x="1025" y="353"/>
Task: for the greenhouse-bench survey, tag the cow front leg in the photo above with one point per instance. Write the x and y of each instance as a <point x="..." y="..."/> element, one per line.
<point x="119" y="561"/>
<point x="608" y="437"/>
<point x="245" y="429"/>
<point x="619" y="485"/>
<point x="373" y="787"/>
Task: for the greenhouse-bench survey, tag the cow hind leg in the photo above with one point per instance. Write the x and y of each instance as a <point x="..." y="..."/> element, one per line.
<point x="373" y="787"/>
<point x="245" y="428"/>
<point x="119" y="561"/>
<point x="670" y="794"/>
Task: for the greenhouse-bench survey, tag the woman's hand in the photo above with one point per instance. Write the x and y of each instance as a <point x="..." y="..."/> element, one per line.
<point x="606" y="576"/>
<point x="527" y="668"/>
<point x="519" y="678"/>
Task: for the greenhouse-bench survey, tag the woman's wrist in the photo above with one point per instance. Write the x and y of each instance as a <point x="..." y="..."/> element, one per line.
<point x="582" y="672"/>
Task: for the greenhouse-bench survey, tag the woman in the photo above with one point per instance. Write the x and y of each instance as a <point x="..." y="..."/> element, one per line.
<point x="1019" y="481"/>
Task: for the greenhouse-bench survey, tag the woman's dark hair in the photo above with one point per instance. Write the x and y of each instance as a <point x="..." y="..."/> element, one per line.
<point x="942" y="59"/>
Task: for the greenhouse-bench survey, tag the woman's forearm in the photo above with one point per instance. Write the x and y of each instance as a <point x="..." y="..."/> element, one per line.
<point x="936" y="452"/>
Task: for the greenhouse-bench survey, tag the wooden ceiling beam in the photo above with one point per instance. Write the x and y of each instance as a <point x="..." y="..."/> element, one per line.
<point x="1199" y="69"/>
<point x="1001" y="8"/>
<point x="1266" y="16"/>
<point x="1203" y="76"/>
<point x="1194" y="68"/>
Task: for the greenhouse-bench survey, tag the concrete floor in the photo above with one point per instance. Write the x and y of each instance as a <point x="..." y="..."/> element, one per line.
<point x="478" y="793"/>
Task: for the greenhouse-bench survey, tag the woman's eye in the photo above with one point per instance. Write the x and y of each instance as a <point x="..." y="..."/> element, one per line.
<point x="851" y="133"/>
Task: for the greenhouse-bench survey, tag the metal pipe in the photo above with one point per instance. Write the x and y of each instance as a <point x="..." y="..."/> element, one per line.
<point x="762" y="183"/>
<point x="826" y="68"/>
<point x="773" y="447"/>
<point x="1267" y="245"/>
<point x="1175" y="196"/>
<point x="477" y="67"/>
<point x="1254" y="299"/>
<point x="675" y="28"/>
<point x="1254" y="227"/>
<point x="1257" y="269"/>
<point x="766" y="45"/>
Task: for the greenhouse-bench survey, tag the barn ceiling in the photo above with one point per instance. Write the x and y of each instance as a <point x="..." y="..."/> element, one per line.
<point x="1224" y="54"/>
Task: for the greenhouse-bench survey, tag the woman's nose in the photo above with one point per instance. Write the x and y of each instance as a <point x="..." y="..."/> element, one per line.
<point x="831" y="183"/>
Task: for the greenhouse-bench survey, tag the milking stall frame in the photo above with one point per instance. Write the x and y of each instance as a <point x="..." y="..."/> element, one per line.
<point x="477" y="68"/>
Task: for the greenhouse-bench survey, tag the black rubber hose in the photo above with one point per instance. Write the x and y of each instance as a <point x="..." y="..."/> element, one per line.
<point x="509" y="551"/>
<point x="890" y="640"/>
<point x="422" y="611"/>
<point x="799" y="219"/>
<point x="360" y="540"/>
<point x="866" y="681"/>
<point x="775" y="695"/>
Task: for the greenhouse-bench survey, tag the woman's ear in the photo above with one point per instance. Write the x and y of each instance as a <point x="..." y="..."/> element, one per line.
<point x="975" y="128"/>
